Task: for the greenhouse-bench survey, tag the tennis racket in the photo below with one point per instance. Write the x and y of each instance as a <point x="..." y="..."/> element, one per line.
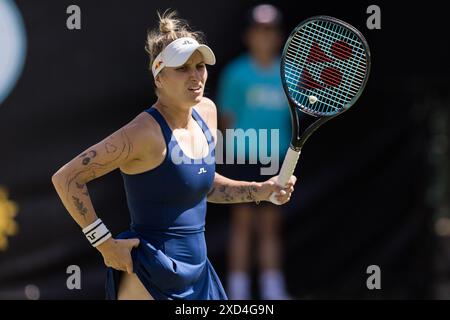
<point x="324" y="68"/>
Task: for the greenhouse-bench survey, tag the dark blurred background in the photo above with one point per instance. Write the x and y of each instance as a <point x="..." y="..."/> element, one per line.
<point x="373" y="184"/>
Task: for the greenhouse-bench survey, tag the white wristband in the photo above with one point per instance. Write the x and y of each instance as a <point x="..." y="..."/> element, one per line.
<point x="97" y="233"/>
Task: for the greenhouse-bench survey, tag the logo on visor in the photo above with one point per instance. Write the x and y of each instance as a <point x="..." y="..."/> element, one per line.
<point x="13" y="47"/>
<point x="158" y="64"/>
<point x="187" y="42"/>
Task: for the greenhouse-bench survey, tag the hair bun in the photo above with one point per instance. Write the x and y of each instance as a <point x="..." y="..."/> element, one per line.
<point x="167" y="25"/>
<point x="170" y="29"/>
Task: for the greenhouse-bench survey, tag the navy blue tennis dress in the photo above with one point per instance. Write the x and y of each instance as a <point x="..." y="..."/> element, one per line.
<point x="168" y="209"/>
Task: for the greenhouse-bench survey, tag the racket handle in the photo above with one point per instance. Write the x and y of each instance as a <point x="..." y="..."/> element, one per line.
<point x="287" y="169"/>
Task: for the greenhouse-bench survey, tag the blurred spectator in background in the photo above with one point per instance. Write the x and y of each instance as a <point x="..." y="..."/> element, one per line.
<point x="250" y="96"/>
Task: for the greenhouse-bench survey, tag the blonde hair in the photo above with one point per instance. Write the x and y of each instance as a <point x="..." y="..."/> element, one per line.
<point x="170" y="28"/>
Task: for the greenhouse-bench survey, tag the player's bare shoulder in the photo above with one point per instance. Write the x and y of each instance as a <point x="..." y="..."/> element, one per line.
<point x="208" y="111"/>
<point x="144" y="126"/>
<point x="146" y="138"/>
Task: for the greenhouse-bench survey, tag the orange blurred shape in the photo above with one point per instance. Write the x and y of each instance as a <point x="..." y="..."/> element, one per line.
<point x="8" y="210"/>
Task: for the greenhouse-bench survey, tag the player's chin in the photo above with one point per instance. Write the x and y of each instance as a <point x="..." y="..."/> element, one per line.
<point x="196" y="96"/>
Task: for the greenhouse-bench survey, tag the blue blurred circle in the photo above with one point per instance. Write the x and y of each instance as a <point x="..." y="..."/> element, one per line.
<point x="12" y="47"/>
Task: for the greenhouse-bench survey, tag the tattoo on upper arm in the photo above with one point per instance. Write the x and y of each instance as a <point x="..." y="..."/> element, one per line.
<point x="82" y="210"/>
<point x="110" y="148"/>
<point x="130" y="145"/>
<point x="90" y="167"/>
<point x="88" y="156"/>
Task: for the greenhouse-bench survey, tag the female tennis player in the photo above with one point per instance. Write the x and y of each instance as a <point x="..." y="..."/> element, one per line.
<point x="166" y="157"/>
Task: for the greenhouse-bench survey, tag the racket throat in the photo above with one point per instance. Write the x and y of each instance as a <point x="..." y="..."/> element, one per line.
<point x="300" y="136"/>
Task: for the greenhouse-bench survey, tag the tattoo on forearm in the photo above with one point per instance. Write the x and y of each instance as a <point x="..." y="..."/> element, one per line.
<point x="234" y="194"/>
<point x="249" y="195"/>
<point x="244" y="194"/>
<point x="82" y="187"/>
<point x="252" y="190"/>
<point x="227" y="196"/>
<point x="79" y="205"/>
<point x="79" y="185"/>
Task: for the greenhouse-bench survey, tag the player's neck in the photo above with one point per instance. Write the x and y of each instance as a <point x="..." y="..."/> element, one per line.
<point x="177" y="117"/>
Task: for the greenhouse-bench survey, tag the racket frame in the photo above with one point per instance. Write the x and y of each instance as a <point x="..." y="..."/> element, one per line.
<point x="297" y="139"/>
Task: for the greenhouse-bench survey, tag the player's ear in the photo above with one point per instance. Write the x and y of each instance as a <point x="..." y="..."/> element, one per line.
<point x="158" y="83"/>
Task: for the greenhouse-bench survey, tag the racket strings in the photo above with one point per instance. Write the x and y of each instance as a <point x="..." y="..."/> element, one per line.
<point x="293" y="81"/>
<point x="316" y="68"/>
<point x="301" y="42"/>
<point x="357" y="73"/>
<point x="335" y="30"/>
<point x="325" y="76"/>
<point x="305" y="61"/>
<point x="307" y="82"/>
<point x="329" y="78"/>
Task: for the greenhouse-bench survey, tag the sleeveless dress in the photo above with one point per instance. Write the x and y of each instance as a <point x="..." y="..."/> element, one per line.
<point x="168" y="209"/>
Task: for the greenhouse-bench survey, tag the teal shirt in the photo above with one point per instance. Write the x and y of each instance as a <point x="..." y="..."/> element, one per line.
<point x="255" y="98"/>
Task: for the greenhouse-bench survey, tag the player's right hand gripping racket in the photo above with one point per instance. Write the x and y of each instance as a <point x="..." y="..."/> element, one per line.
<point x="324" y="67"/>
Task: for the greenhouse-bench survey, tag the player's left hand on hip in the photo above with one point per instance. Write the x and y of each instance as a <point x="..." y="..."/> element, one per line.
<point x="282" y="194"/>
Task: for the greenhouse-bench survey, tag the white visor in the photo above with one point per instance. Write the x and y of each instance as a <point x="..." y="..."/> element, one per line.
<point x="178" y="52"/>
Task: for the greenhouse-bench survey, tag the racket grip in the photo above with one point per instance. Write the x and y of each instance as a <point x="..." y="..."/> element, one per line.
<point x="287" y="169"/>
